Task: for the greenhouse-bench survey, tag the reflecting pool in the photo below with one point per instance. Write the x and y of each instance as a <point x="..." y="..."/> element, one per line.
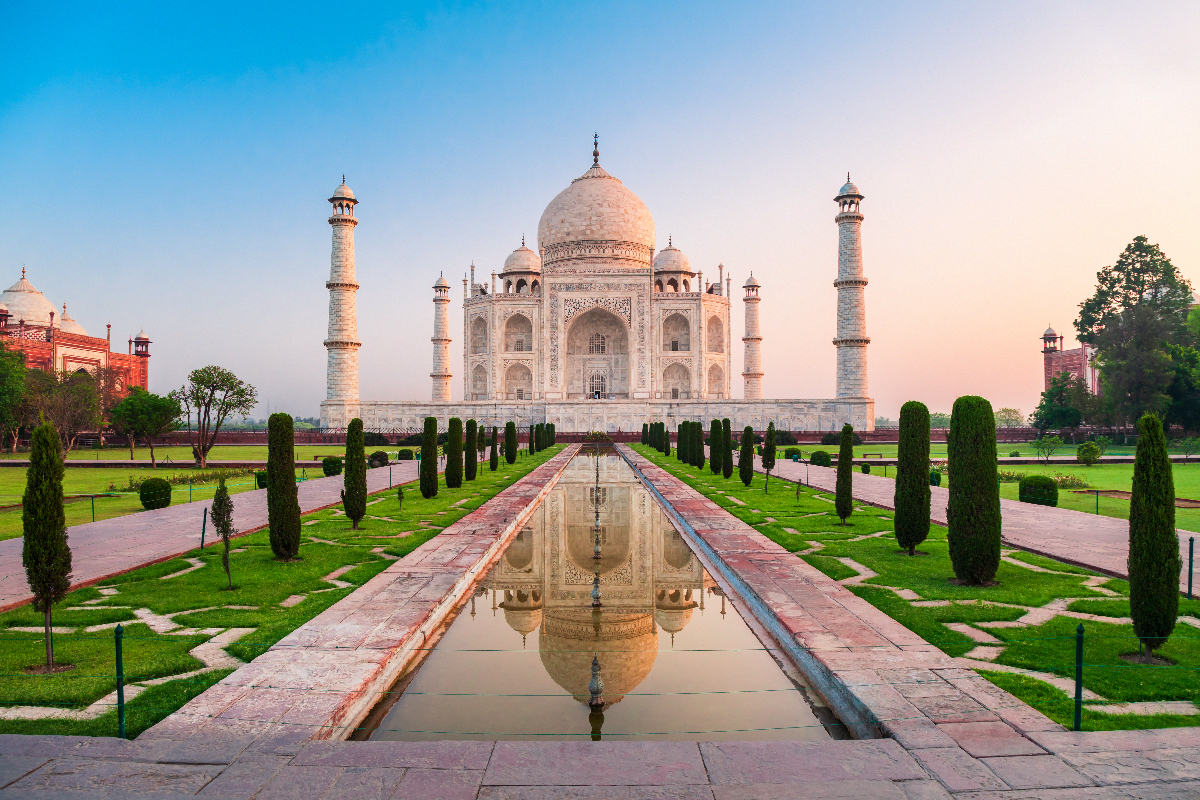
<point x="660" y="654"/>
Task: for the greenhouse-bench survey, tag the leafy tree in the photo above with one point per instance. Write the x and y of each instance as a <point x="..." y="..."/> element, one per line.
<point x="1184" y="389"/>
<point x="354" y="478"/>
<point x="454" y="455"/>
<point x="45" y="552"/>
<point x="768" y="454"/>
<point x="12" y="393"/>
<point x="471" y="451"/>
<point x="212" y="394"/>
<point x="843" y="496"/>
<point x="726" y="448"/>
<point x="510" y="442"/>
<point x="912" y="477"/>
<point x="146" y="415"/>
<point x="1154" y="561"/>
<point x="221" y="514"/>
<point x="746" y="457"/>
<point x="973" y="512"/>
<point x="494" y="459"/>
<point x="66" y="399"/>
<point x="283" y="507"/>
<point x="1087" y="453"/>
<point x="1009" y="418"/>
<point x="109" y="385"/>
<point x="939" y="419"/>
<point x="1046" y="446"/>
<point x="1059" y="406"/>
<point x="716" y="447"/>
<point x="1190" y="446"/>
<point x="429" y="459"/>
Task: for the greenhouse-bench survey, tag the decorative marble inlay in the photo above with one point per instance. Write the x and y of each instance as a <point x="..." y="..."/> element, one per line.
<point x="618" y="305"/>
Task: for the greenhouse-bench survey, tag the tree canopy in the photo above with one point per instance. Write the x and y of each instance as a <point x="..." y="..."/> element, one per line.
<point x="145" y="414"/>
<point x="212" y="394"/>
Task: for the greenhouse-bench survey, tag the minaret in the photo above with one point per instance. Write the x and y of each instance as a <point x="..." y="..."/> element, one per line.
<point x="752" y="368"/>
<point x="341" y="376"/>
<point x="851" y="341"/>
<point x="441" y="341"/>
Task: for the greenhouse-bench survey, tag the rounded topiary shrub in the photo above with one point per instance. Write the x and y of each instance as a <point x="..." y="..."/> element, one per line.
<point x="154" y="493"/>
<point x="1015" y="454"/>
<point x="260" y="479"/>
<point x="374" y="439"/>
<point x="1040" y="490"/>
<point x="935" y="478"/>
<point x="835" y="438"/>
<point x="331" y="465"/>
<point x="1088" y="453"/>
<point x="789" y="452"/>
<point x="820" y="458"/>
<point x="378" y="459"/>
<point x="866" y="469"/>
<point x="404" y="455"/>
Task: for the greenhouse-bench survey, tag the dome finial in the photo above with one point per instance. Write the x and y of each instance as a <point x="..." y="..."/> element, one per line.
<point x="22" y="272"/>
<point x="344" y="178"/>
<point x="847" y="176"/>
<point x="669" y="240"/>
<point x="522" y="240"/>
<point x="595" y="149"/>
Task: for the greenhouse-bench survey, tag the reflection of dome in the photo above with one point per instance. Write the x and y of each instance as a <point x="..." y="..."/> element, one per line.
<point x="522" y="260"/>
<point x="581" y="544"/>
<point x="596" y="207"/>
<point x="675" y="550"/>
<point x="523" y="621"/>
<point x="626" y="644"/>
<point x="672" y="620"/>
<point x="68" y="325"/>
<point x="519" y="554"/>
<point x="27" y="303"/>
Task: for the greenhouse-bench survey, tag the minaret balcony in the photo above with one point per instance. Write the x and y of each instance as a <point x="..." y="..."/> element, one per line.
<point x="842" y="282"/>
<point x="341" y="285"/>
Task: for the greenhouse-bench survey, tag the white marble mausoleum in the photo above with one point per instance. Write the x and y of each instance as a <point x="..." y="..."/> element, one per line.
<point x="595" y="331"/>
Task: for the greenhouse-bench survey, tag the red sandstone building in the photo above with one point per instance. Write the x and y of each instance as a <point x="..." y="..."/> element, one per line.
<point x="1080" y="362"/>
<point x="29" y="323"/>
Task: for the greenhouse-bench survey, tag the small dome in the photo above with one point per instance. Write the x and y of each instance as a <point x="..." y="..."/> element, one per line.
<point x="671" y="259"/>
<point x="442" y="283"/>
<point x="750" y="281"/>
<point x="522" y="260"/>
<point x="141" y="337"/>
<point x="848" y="190"/>
<point x="1050" y="333"/>
<point x="27" y="303"/>
<point x="68" y="325"/>
<point x="343" y="192"/>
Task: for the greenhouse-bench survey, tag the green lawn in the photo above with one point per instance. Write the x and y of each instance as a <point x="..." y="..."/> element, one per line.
<point x="112" y="484"/>
<point x="200" y="602"/>
<point x="806" y="524"/>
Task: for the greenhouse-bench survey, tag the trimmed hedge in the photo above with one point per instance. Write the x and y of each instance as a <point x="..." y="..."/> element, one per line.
<point x="1040" y="490"/>
<point x="819" y="458"/>
<point x="912" y="495"/>
<point x="377" y="459"/>
<point x="973" y="512"/>
<point x="836" y="438"/>
<point x="332" y="465"/>
<point x="154" y="493"/>
<point x="789" y="452"/>
<point x="373" y="439"/>
<point x="405" y="455"/>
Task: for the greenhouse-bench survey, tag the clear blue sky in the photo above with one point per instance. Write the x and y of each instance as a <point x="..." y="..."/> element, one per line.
<point x="166" y="166"/>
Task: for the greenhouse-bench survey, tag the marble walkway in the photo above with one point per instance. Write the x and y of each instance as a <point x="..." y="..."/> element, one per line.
<point x="1086" y="540"/>
<point x="112" y="546"/>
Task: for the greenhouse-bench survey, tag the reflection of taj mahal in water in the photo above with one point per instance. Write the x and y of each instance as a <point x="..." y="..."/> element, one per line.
<point x="595" y="331"/>
<point x="649" y="579"/>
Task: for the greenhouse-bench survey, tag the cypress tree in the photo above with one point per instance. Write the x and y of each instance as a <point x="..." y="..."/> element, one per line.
<point x="698" y="439"/>
<point x="666" y="440"/>
<point x="221" y="514"/>
<point x="553" y="435"/>
<point x="429" y="459"/>
<point x="726" y="449"/>
<point x="494" y="459"/>
<point x="454" y="455"/>
<point x="510" y="442"/>
<point x="912" y="477"/>
<point x="843" y="497"/>
<point x="471" y="451"/>
<point x="681" y="444"/>
<point x="1154" y="561"/>
<point x="45" y="552"/>
<point x="746" y="459"/>
<point x="354" y="493"/>
<point x="645" y="433"/>
<point x="532" y="445"/>
<point x="973" y="512"/>
<point x="715" y="447"/>
<point x="283" y="507"/>
<point x="768" y="454"/>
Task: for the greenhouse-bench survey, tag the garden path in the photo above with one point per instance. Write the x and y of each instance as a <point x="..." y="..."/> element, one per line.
<point x="112" y="546"/>
<point x="1086" y="540"/>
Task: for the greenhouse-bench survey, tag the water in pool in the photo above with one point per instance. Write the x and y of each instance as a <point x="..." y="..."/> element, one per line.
<point x="671" y="655"/>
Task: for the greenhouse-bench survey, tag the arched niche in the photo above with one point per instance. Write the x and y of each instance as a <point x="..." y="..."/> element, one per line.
<point x="716" y="382"/>
<point x="479" y="383"/>
<point x="518" y="382"/>
<point x="597" y="344"/>
<point x="676" y="333"/>
<point x="522" y="286"/>
<point x="672" y="285"/>
<point x="518" y="334"/>
<point x="676" y="382"/>
<point x="479" y="335"/>
<point x="715" y="335"/>
<point x="658" y="286"/>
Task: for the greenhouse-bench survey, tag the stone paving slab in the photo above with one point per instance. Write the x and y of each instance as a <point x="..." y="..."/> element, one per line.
<point x="110" y="547"/>
<point x="596" y="764"/>
<point x="1074" y="537"/>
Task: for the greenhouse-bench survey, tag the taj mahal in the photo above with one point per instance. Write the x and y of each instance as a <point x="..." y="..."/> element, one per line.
<point x="594" y="330"/>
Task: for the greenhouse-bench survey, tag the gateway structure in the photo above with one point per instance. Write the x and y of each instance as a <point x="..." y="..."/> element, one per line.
<point x="595" y="331"/>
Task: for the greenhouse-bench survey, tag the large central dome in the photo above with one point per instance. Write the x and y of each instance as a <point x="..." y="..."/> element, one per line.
<point x="595" y="208"/>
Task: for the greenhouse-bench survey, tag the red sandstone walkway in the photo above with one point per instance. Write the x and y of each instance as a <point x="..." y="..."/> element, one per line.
<point x="112" y="546"/>
<point x="1088" y="540"/>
